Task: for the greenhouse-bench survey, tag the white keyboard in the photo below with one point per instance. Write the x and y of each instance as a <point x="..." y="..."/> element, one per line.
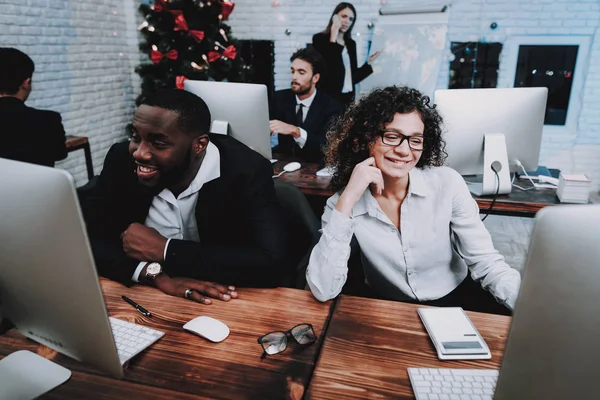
<point x="132" y="338"/>
<point x="453" y="384"/>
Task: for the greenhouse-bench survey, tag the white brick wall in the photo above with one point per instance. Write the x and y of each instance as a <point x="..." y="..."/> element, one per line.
<point x="84" y="53"/>
<point x="469" y="21"/>
<point x="81" y="74"/>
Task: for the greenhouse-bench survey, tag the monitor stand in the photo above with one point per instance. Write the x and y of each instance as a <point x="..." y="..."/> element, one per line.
<point x="220" y="127"/>
<point x="25" y="375"/>
<point x="495" y="157"/>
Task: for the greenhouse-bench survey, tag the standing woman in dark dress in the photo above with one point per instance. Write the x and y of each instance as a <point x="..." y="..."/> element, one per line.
<point x="339" y="51"/>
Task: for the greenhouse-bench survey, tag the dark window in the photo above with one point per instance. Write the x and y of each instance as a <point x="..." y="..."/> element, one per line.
<point x="260" y="57"/>
<point x="475" y="65"/>
<point x="552" y="67"/>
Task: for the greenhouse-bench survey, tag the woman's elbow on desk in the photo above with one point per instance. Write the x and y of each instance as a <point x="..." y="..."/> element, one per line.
<point x="317" y="290"/>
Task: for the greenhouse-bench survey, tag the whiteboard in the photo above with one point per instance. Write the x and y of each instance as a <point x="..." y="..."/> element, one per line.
<point x="413" y="46"/>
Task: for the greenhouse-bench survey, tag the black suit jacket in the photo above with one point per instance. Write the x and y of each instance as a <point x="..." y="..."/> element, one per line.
<point x="243" y="240"/>
<point x="322" y="111"/>
<point x="30" y="135"/>
<point x="333" y="80"/>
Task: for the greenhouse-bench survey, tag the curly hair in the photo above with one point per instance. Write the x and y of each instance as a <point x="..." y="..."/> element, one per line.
<point x="351" y="137"/>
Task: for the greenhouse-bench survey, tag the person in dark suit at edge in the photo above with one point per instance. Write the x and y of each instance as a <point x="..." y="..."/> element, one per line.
<point x="189" y="212"/>
<point x="337" y="47"/>
<point x="27" y="134"/>
<point x="301" y="115"/>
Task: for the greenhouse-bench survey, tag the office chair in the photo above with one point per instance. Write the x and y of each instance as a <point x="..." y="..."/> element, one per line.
<point x="304" y="226"/>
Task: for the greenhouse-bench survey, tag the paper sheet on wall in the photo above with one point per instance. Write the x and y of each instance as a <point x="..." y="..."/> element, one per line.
<point x="412" y="47"/>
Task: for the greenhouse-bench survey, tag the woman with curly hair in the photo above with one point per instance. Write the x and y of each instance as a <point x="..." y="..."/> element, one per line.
<point x="415" y="222"/>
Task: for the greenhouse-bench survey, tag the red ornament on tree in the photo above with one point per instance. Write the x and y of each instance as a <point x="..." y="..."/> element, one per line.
<point x="180" y="22"/>
<point x="156" y="56"/>
<point x="227" y="8"/>
<point x="213" y="56"/>
<point x="230" y="52"/>
<point x="197" y="35"/>
<point x="159" y="6"/>
<point x="179" y="81"/>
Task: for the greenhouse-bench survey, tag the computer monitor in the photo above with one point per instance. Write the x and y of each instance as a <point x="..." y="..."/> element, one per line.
<point x="552" y="350"/>
<point x="243" y="106"/>
<point x="487" y="129"/>
<point x="49" y="286"/>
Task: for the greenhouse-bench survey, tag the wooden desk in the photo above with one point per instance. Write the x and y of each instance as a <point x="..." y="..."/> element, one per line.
<point x="519" y="203"/>
<point x="305" y="179"/>
<point x="370" y="344"/>
<point x="81" y="142"/>
<point x="184" y="366"/>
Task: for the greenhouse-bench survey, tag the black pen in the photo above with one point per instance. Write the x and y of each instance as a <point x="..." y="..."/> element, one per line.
<point x="141" y="309"/>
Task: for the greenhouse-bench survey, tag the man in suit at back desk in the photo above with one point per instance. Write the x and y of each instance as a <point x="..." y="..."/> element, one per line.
<point x="186" y="211"/>
<point x="301" y="116"/>
<point x="26" y="134"/>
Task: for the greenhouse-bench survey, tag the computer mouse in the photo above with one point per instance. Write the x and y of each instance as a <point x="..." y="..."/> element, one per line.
<point x="291" y="167"/>
<point x="209" y="328"/>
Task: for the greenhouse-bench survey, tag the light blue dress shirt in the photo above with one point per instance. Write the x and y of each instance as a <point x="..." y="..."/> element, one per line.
<point x="440" y="236"/>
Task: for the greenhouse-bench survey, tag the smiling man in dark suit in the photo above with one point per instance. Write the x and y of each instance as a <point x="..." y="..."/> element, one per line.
<point x="189" y="212"/>
<point x="26" y="134"/>
<point x="302" y="115"/>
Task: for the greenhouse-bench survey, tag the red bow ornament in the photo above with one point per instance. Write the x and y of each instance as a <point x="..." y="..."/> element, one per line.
<point x="227" y="9"/>
<point x="197" y="35"/>
<point x="230" y="52"/>
<point x="159" y="6"/>
<point x="213" y="56"/>
<point x="180" y="22"/>
<point x="156" y="56"/>
<point x="179" y="79"/>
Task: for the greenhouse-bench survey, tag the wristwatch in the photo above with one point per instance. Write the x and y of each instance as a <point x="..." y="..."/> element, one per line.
<point x="153" y="270"/>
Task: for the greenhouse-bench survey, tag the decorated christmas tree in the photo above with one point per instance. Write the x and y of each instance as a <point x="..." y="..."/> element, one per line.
<point x="187" y="39"/>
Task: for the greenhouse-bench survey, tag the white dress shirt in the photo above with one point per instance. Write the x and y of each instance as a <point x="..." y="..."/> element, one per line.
<point x="418" y="261"/>
<point x="306" y="103"/>
<point x="174" y="218"/>
<point x="348" y="87"/>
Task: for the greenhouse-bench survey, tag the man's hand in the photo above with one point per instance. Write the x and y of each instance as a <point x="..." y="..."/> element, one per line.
<point x="201" y="290"/>
<point x="283" y="128"/>
<point x="143" y="243"/>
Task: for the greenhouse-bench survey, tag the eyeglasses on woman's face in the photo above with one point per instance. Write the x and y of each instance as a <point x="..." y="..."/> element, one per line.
<point x="394" y="139"/>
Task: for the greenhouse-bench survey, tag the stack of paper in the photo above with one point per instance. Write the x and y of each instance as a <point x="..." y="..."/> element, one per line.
<point x="573" y="188"/>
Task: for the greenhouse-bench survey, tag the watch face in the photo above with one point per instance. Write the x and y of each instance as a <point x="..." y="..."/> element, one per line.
<point x="154" y="269"/>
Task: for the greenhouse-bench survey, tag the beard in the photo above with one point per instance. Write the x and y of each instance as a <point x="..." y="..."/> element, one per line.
<point x="301" y="90"/>
<point x="176" y="174"/>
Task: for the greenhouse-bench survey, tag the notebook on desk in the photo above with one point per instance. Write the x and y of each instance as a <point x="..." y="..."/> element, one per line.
<point x="552" y="350"/>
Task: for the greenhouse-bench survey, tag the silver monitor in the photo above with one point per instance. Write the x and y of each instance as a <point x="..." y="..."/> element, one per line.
<point x="511" y="122"/>
<point x="552" y="350"/>
<point x="49" y="287"/>
<point x="243" y="106"/>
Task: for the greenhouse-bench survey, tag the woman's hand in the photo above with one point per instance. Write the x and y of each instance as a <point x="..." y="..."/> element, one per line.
<point x="336" y="24"/>
<point x="373" y="56"/>
<point x="365" y="174"/>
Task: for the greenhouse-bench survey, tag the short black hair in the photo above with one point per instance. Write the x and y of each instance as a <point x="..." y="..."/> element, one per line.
<point x="15" y="68"/>
<point x="194" y="115"/>
<point x="311" y="56"/>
